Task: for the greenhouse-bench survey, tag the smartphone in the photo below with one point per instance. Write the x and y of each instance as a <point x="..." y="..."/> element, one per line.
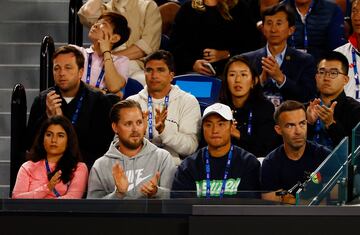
<point x="210" y="67"/>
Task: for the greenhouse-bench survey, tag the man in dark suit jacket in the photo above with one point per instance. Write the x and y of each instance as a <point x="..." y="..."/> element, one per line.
<point x="285" y="73"/>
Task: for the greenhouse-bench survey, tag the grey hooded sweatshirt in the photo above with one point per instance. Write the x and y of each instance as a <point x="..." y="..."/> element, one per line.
<point x="139" y="169"/>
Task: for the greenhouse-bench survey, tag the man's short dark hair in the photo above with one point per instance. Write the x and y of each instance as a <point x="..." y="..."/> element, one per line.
<point x="336" y="56"/>
<point x="115" y="110"/>
<point x="120" y="25"/>
<point x="70" y="50"/>
<point x="288" y="105"/>
<point x="281" y="7"/>
<point x="166" y="56"/>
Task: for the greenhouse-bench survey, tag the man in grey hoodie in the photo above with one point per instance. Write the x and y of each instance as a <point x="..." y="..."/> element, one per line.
<point x="133" y="167"/>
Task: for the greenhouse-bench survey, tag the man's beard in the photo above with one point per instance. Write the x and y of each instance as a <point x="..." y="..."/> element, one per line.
<point x="130" y="144"/>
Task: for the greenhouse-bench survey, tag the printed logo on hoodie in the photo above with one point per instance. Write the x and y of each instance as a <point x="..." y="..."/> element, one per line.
<point x="135" y="178"/>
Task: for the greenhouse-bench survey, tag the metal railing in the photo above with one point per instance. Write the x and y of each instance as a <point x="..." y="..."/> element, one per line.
<point x="46" y="64"/>
<point x="75" y="27"/>
<point x="18" y="130"/>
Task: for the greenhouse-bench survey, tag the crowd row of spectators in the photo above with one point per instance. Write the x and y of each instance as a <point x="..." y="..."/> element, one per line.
<point x="286" y="101"/>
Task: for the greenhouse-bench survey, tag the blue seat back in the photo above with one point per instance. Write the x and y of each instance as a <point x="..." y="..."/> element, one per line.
<point x="206" y="89"/>
<point x="132" y="87"/>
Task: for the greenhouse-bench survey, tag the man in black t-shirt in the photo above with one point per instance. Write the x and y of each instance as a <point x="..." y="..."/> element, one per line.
<point x="296" y="159"/>
<point x="219" y="169"/>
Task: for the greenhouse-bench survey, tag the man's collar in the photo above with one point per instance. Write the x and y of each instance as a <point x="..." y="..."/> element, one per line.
<point x="89" y="50"/>
<point x="281" y="55"/>
<point x="340" y="97"/>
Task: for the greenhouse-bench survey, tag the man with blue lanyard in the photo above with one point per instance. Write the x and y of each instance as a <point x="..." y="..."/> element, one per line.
<point x="293" y="161"/>
<point x="352" y="53"/>
<point x="333" y="115"/>
<point x="173" y="115"/>
<point x="220" y="169"/>
<point x="285" y="73"/>
<point x="86" y="108"/>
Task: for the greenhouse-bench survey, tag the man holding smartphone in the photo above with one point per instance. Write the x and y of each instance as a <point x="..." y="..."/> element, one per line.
<point x="86" y="108"/>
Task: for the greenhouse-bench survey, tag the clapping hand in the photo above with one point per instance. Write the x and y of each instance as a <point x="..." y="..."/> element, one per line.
<point x="150" y="188"/>
<point x="272" y="68"/>
<point x="160" y="119"/>
<point x="326" y="114"/>
<point x="315" y="111"/>
<point x="120" y="178"/>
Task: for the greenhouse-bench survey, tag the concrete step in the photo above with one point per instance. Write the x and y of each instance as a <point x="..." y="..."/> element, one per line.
<point x="28" y="75"/>
<point x="5" y="98"/>
<point x="4" y="191"/>
<point x="23" y="53"/>
<point x="35" y="31"/>
<point x="20" y="53"/>
<point x="4" y="148"/>
<point x="4" y="172"/>
<point x="34" y="10"/>
<point x="5" y="123"/>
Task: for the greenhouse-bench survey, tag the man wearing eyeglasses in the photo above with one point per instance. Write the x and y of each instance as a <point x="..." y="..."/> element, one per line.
<point x="332" y="115"/>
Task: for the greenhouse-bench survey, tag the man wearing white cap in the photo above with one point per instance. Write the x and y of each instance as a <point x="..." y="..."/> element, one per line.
<point x="220" y="169"/>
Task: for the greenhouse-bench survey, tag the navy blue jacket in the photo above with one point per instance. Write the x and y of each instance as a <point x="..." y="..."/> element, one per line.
<point x="299" y="69"/>
<point x="325" y="28"/>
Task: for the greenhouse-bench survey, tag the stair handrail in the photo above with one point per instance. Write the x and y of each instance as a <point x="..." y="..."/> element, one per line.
<point x="75" y="27"/>
<point x="18" y="130"/>
<point x="46" y="64"/>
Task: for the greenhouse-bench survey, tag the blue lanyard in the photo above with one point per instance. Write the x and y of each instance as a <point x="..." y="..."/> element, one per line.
<point x="77" y="110"/>
<point x="306" y="40"/>
<point x="356" y="73"/>
<point x="249" y="125"/>
<point x="226" y="173"/>
<point x="48" y="171"/>
<point x="101" y="75"/>
<point x="319" y="126"/>
<point x="150" y="115"/>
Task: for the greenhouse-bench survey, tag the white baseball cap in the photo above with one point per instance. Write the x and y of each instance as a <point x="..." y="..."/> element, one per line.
<point x="221" y="109"/>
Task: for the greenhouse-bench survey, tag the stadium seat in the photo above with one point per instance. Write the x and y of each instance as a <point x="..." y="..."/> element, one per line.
<point x="206" y="89"/>
<point x="132" y="87"/>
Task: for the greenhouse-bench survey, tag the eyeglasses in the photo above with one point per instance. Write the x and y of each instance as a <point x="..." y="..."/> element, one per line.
<point x="333" y="73"/>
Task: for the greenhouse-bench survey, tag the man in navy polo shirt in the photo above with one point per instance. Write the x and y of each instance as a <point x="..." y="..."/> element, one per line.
<point x="296" y="159"/>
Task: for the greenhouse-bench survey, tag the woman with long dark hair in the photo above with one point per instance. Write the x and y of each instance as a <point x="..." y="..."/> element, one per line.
<point x="53" y="169"/>
<point x="254" y="126"/>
